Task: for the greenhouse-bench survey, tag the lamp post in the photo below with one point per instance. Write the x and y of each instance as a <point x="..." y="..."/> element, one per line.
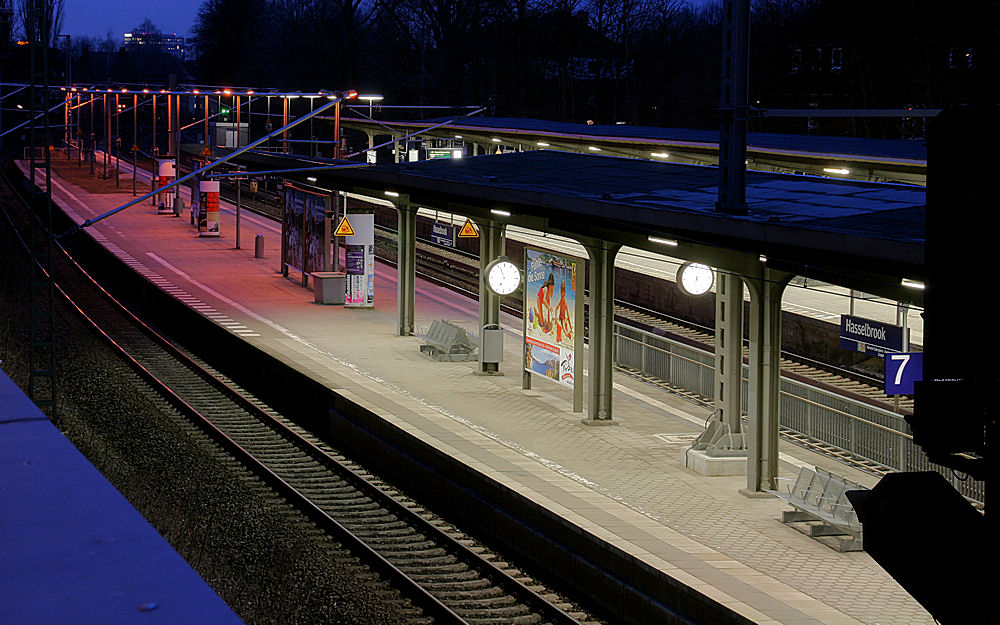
<point x="371" y="98"/>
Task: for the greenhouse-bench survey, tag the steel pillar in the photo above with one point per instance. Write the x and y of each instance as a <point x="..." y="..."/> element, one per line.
<point x="601" y="321"/>
<point x="733" y="107"/>
<point x="406" y="265"/>
<point x="765" y="364"/>
<point x="491" y="246"/>
<point x="729" y="350"/>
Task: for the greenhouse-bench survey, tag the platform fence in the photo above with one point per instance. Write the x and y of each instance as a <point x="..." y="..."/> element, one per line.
<point x="856" y="427"/>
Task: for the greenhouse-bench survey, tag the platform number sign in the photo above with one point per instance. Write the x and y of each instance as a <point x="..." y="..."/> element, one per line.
<point x="901" y="371"/>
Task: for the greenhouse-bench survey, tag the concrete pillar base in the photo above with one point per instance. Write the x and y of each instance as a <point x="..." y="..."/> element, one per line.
<point x="755" y="494"/>
<point x="598" y="422"/>
<point x="714" y="466"/>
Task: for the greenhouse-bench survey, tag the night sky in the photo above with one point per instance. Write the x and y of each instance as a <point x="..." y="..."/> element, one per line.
<point x="93" y="18"/>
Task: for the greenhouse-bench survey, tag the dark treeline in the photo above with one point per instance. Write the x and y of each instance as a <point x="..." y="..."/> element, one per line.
<point x="653" y="62"/>
<point x="648" y="62"/>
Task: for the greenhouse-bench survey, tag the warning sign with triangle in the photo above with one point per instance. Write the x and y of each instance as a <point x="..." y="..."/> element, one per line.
<point x="344" y="229"/>
<point x="206" y="152"/>
<point x="468" y="231"/>
<point x="135" y="147"/>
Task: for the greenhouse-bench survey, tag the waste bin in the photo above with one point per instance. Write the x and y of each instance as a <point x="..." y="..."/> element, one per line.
<point x="492" y="344"/>
<point x="258" y="246"/>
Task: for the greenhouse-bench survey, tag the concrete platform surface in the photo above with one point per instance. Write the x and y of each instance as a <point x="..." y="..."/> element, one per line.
<point x="624" y="484"/>
<point x="73" y="549"/>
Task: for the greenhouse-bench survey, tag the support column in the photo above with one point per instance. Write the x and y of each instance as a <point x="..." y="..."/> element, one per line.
<point x="601" y="319"/>
<point x="406" y="263"/>
<point x="765" y="364"/>
<point x="491" y="246"/>
<point x="729" y="354"/>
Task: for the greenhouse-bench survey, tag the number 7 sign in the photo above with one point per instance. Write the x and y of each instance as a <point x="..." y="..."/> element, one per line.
<point x="901" y="371"/>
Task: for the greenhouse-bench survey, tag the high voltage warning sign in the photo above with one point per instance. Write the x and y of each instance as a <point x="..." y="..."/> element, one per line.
<point x="344" y="229"/>
<point x="468" y="231"/>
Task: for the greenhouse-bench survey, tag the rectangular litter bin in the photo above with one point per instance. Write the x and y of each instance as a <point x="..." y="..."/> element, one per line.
<point x="329" y="286"/>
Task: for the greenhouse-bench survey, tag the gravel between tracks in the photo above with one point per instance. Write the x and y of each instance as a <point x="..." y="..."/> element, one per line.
<point x="264" y="559"/>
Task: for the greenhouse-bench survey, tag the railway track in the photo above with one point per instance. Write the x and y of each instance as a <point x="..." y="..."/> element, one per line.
<point x="445" y="575"/>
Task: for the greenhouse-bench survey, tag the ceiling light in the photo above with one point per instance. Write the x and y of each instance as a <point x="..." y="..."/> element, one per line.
<point x="670" y="242"/>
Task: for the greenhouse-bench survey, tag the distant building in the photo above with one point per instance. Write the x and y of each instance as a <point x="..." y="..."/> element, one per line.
<point x="170" y="43"/>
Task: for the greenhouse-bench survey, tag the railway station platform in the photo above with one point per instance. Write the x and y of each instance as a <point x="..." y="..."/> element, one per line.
<point x="622" y="484"/>
<point x="73" y="549"/>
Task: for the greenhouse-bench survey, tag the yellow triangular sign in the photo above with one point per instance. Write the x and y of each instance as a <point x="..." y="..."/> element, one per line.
<point x="344" y="229"/>
<point x="206" y="151"/>
<point x="468" y="231"/>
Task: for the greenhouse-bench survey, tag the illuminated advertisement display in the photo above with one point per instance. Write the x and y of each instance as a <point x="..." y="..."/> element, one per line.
<point x="360" y="262"/>
<point x="552" y="315"/>
<point x="208" y="208"/>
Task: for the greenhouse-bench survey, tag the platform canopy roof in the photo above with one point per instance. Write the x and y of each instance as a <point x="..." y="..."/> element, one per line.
<point x="867" y="236"/>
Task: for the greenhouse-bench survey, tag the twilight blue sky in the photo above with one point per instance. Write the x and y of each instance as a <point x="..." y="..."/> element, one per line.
<point x="93" y="18"/>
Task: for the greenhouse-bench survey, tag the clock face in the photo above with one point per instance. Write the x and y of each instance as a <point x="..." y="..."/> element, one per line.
<point x="695" y="278"/>
<point x="503" y="277"/>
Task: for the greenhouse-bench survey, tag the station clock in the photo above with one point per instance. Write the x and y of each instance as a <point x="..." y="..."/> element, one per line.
<point x="502" y="276"/>
<point x="695" y="278"/>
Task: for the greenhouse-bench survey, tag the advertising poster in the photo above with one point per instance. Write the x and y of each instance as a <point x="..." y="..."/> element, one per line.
<point x="291" y="230"/>
<point x="314" y="230"/>
<point x="551" y="319"/>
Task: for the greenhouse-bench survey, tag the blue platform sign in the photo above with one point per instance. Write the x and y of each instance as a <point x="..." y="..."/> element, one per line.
<point x="443" y="234"/>
<point x="901" y="371"/>
<point x="869" y="336"/>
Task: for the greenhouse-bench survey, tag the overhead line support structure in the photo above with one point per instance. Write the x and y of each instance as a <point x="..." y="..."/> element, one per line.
<point x="180" y="180"/>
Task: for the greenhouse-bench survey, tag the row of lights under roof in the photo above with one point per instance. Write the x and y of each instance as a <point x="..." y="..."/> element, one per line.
<point x="592" y="148"/>
<point x="226" y="92"/>
<point x="907" y="282"/>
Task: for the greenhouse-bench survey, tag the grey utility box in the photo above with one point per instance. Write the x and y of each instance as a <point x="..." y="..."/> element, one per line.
<point x="329" y="286"/>
<point x="492" y="344"/>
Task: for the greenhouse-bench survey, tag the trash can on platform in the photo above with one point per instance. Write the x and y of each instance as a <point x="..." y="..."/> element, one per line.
<point x="258" y="246"/>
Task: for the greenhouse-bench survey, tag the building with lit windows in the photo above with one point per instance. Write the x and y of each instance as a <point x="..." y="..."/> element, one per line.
<point x="170" y="43"/>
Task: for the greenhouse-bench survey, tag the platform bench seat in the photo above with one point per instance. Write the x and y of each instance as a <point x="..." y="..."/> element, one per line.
<point x="818" y="495"/>
<point x="447" y="341"/>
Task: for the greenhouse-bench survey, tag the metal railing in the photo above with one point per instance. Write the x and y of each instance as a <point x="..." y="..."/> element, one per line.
<point x="861" y="429"/>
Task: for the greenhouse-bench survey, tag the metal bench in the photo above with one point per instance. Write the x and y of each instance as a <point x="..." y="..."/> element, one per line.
<point x="447" y="341"/>
<point x="820" y="501"/>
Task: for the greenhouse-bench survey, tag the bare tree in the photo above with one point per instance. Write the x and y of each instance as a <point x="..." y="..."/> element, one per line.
<point x="41" y="20"/>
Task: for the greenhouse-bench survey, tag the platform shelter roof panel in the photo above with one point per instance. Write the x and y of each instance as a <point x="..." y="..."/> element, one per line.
<point x="894" y="211"/>
<point x="915" y="150"/>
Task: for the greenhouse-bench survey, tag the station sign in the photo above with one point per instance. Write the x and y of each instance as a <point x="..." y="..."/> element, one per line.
<point x="868" y="336"/>
<point x="901" y="371"/>
<point x="443" y="234"/>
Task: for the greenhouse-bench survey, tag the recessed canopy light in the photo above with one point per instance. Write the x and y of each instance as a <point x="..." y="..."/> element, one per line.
<point x="670" y="242"/>
<point x="843" y="171"/>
